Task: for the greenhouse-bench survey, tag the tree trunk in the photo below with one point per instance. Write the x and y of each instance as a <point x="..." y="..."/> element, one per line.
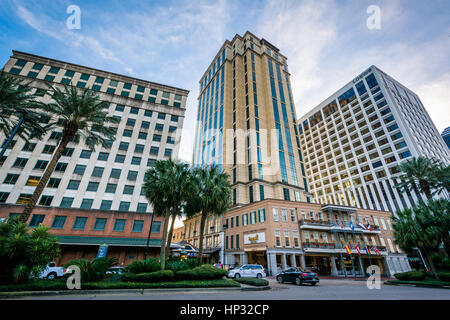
<point x="447" y="243"/>
<point x="202" y="229"/>
<point x="430" y="261"/>
<point x="169" y="238"/>
<point x="162" y="257"/>
<point x="426" y="189"/>
<point x="43" y="181"/>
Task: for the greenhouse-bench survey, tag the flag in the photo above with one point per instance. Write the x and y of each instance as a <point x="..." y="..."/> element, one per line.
<point x="352" y="225"/>
<point x="361" y="225"/>
<point x="376" y="251"/>
<point x="348" y="249"/>
<point x="357" y="249"/>
<point x="368" y="226"/>
<point x="342" y="225"/>
<point x="367" y="250"/>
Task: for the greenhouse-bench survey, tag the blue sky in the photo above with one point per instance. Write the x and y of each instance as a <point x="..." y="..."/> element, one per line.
<point x="172" y="42"/>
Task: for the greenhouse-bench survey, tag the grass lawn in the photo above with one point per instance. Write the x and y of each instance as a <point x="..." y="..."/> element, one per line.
<point x="426" y="282"/>
<point x="49" y="285"/>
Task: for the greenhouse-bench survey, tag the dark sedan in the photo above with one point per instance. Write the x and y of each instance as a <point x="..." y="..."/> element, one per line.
<point x="298" y="276"/>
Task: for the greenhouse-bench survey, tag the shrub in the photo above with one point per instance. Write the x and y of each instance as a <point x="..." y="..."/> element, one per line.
<point x="444" y="276"/>
<point x="410" y="276"/>
<point x="24" y="254"/>
<point x="253" y="281"/>
<point x="144" y="266"/>
<point x="204" y="272"/>
<point x="177" y="266"/>
<point x="157" y="276"/>
<point x="95" y="269"/>
<point x="441" y="263"/>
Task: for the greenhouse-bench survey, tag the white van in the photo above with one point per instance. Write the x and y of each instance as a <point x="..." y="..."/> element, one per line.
<point x="247" y="271"/>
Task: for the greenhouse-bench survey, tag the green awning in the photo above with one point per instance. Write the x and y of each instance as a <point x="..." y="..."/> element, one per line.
<point x="96" y="241"/>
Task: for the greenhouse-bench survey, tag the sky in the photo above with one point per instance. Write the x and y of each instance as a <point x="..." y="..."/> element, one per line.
<point x="327" y="42"/>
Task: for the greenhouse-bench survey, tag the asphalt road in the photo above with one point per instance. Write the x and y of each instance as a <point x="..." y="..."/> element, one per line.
<point x="326" y="290"/>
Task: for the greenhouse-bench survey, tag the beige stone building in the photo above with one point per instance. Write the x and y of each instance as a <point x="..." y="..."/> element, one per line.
<point x="246" y="125"/>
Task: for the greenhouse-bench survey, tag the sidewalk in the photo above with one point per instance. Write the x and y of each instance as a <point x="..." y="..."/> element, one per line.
<point x="358" y="278"/>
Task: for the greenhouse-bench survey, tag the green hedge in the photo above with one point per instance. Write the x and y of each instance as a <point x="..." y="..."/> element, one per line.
<point x="144" y="266"/>
<point x="444" y="276"/>
<point x="411" y="276"/>
<point x="158" y="276"/>
<point x="48" y="285"/>
<point x="253" y="281"/>
<point x="204" y="272"/>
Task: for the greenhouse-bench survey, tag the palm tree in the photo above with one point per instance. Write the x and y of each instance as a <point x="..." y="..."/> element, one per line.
<point x="421" y="174"/>
<point x="76" y="112"/>
<point x="437" y="217"/>
<point x="212" y="197"/>
<point x="19" y="108"/>
<point x="412" y="230"/>
<point x="166" y="186"/>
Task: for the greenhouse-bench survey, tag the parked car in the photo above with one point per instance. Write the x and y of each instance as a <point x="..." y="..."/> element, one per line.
<point x="115" y="270"/>
<point x="51" y="271"/>
<point x="247" y="271"/>
<point x="298" y="276"/>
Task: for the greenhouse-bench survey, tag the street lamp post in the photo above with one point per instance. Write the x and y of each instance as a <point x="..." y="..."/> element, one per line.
<point x="13" y="133"/>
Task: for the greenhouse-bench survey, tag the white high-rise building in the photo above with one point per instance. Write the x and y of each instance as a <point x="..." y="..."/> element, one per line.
<point x="151" y="117"/>
<point x="353" y="142"/>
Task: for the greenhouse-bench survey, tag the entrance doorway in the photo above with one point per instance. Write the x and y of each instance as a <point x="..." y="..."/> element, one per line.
<point x="257" y="257"/>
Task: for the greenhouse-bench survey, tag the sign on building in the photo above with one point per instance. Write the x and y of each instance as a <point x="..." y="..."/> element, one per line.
<point x="255" y="238"/>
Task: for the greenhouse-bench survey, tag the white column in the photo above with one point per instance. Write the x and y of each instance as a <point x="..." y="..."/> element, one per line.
<point x="294" y="263"/>
<point x="303" y="260"/>
<point x="334" y="270"/>
<point x="284" y="261"/>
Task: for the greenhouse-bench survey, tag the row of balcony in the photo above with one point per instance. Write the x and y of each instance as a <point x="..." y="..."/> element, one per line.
<point x="337" y="226"/>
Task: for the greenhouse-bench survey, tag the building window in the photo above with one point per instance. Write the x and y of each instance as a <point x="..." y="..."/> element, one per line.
<point x="287" y="238"/>
<point x="100" y="224"/>
<point x="86" y="203"/>
<point x="20" y="163"/>
<point x="119" y="225"/>
<point x="103" y="156"/>
<point x="277" y="238"/>
<point x="156" y="227"/>
<point x="132" y="175"/>
<point x="11" y="178"/>
<point x="115" y="173"/>
<point x="80" y="223"/>
<point x="275" y="215"/>
<point x="138" y="226"/>
<point x="66" y="202"/>
<point x="24" y="198"/>
<point x="46" y="201"/>
<point x="127" y="189"/>
<point x="284" y="215"/>
<point x="262" y="215"/>
<point x="106" y="205"/>
<point x="58" y="222"/>
<point x="98" y="171"/>
<point x="142" y="207"/>
<point x="85" y="154"/>
<point x="120" y="158"/>
<point x="79" y="169"/>
<point x="124" y="206"/>
<point x="92" y="186"/>
<point x="36" y="219"/>
<point x="286" y="194"/>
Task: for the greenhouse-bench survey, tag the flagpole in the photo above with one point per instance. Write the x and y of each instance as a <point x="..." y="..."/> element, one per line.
<point x="346" y="240"/>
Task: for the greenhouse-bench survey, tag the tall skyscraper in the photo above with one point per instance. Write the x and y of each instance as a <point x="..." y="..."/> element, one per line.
<point x="353" y="142"/>
<point x="446" y="136"/>
<point x="247" y="126"/>
<point x="246" y="122"/>
<point x="85" y="183"/>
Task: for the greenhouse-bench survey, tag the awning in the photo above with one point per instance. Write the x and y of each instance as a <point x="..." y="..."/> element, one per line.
<point x="96" y="241"/>
<point x="256" y="249"/>
<point x="211" y="250"/>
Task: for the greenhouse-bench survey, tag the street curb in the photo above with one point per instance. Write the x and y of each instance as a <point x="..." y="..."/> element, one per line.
<point x="15" y="294"/>
<point x="416" y="285"/>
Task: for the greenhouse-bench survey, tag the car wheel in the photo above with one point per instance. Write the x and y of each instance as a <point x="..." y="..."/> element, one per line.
<point x="313" y="283"/>
<point x="298" y="282"/>
<point x="280" y="279"/>
<point x="51" y="275"/>
<point x="259" y="275"/>
<point x="237" y="275"/>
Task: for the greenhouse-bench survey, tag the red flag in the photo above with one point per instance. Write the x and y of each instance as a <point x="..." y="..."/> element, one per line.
<point x="357" y="249"/>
